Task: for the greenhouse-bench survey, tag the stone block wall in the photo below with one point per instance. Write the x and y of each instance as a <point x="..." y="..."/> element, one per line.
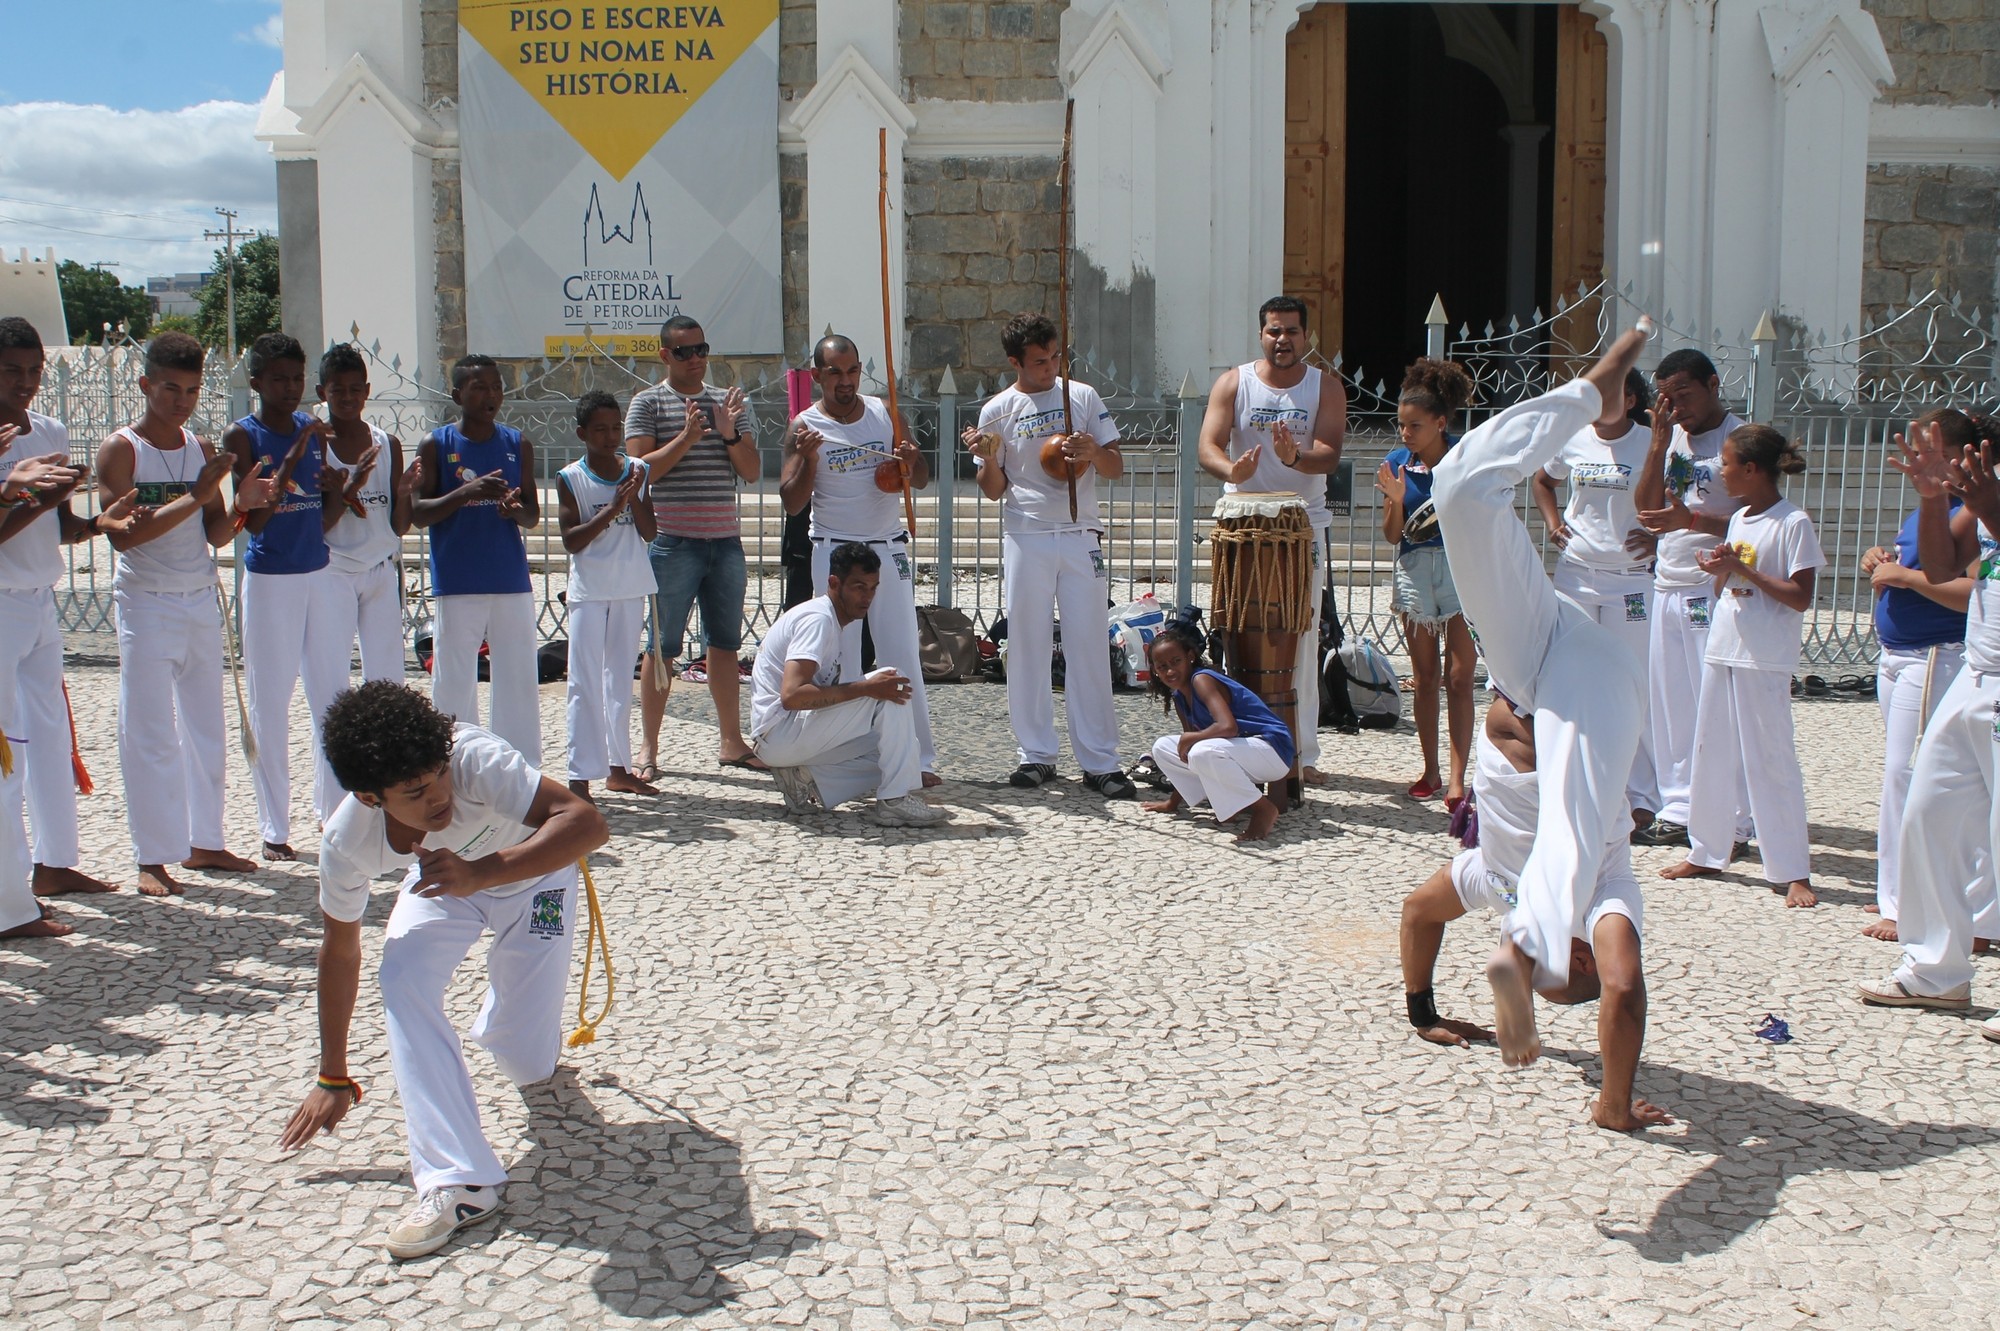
<point x="439" y="19"/>
<point x="1946" y="52"/>
<point x="981" y="236"/>
<point x="1930" y="227"/>
<point x="980" y="50"/>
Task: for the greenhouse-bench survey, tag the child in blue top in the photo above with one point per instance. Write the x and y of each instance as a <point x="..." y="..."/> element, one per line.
<point x="286" y="615"/>
<point x="1229" y="744"/>
<point x="478" y="496"/>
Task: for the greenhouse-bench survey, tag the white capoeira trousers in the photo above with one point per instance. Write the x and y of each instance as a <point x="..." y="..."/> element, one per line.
<point x="22" y="626"/>
<point x="1745" y="757"/>
<point x="1908" y="687"/>
<point x="368" y="606"/>
<point x="1551" y="658"/>
<point x="892" y="623"/>
<point x="1678" y="650"/>
<point x="853" y="748"/>
<point x="288" y="637"/>
<point x="1225" y="772"/>
<point x="33" y="636"/>
<point x="1623" y="604"/>
<point x="1305" y="670"/>
<point x="506" y="624"/>
<point x="520" y="1022"/>
<point x="1951" y="833"/>
<point x="603" y="644"/>
<point x="170" y="720"/>
<point x="1051" y="572"/>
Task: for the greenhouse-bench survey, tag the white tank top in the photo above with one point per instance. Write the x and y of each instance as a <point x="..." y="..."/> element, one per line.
<point x="32" y="559"/>
<point x="614" y="567"/>
<point x="846" y="503"/>
<point x="360" y="541"/>
<point x="1259" y="407"/>
<point x="177" y="560"/>
<point x="1982" y="619"/>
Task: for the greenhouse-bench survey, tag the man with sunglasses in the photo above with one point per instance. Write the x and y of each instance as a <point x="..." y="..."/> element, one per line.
<point x="696" y="438"/>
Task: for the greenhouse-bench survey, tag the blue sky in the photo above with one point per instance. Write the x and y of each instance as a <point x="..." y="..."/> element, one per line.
<point x="128" y="123"/>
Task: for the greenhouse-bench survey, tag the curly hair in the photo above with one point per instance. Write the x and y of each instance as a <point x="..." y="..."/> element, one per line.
<point x="342" y="358"/>
<point x="1189" y="639"/>
<point x="1440" y="387"/>
<point x="383" y="734"/>
<point x="17" y="334"/>
<point x="1024" y="331"/>
<point x="466" y="366"/>
<point x="1767" y="450"/>
<point x="271" y="348"/>
<point x="591" y="403"/>
<point x="1961" y="429"/>
<point x="173" y="351"/>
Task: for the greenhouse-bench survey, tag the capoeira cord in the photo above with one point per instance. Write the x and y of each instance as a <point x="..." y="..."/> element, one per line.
<point x="84" y="785"/>
<point x="235" y="650"/>
<point x="586" y="1025"/>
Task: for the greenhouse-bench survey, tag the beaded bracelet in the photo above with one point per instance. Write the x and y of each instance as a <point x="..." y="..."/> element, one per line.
<point x="342" y="1084"/>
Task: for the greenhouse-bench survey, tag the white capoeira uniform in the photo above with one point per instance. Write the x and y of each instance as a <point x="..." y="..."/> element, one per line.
<point x="169" y="668"/>
<point x="31" y="565"/>
<point x="520" y="1022"/>
<point x="1951" y="823"/>
<point x="364" y="585"/>
<point x="848" y="506"/>
<point x="1548" y="655"/>
<point x="1744" y="754"/>
<point x="609" y="581"/>
<point x="1596" y="570"/>
<point x="1683" y="607"/>
<point x="852" y="748"/>
<point x="1487" y="876"/>
<point x="1053" y="563"/>
<point x="1259" y="409"/>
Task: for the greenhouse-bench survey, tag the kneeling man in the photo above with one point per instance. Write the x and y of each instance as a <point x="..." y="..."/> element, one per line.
<point x="491" y="846"/>
<point x="828" y="733"/>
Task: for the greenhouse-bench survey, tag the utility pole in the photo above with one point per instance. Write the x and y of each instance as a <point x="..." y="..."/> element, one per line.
<point x="228" y="236"/>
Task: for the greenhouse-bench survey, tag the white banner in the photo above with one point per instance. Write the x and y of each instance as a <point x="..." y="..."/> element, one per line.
<point x="619" y="165"/>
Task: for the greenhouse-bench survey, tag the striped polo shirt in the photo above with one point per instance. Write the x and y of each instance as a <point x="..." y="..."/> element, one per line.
<point x="698" y="496"/>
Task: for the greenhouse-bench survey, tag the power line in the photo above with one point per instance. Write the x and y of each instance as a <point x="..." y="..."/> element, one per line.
<point x="99" y="235"/>
<point x="100" y="212"/>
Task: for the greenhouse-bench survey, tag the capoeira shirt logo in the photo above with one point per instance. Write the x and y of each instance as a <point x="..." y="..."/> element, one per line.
<point x="545" y="914"/>
<point x="1686" y="473"/>
<point x="1697" y="612"/>
<point x="1264" y="419"/>
<point x="1603" y="476"/>
<point x="152" y="494"/>
<point x="1635" y="608"/>
<point x="1097" y="563"/>
<point x="845" y="457"/>
<point x="1746" y="553"/>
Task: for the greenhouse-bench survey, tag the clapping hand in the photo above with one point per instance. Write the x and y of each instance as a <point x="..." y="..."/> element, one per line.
<point x="1973" y="480"/>
<point x="1285" y="444"/>
<point x="120" y="515"/>
<point x="1245" y="467"/>
<point x="412" y="479"/>
<point x="1923" y="460"/>
<point x="1389" y="480"/>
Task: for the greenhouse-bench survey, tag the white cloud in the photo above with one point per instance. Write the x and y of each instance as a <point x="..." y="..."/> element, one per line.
<point x="271" y="32"/>
<point x="132" y="187"/>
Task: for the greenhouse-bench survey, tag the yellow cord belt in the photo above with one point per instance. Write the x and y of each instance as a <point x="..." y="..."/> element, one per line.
<point x="586" y="1025"/>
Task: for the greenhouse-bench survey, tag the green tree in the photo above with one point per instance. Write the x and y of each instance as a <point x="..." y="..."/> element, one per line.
<point x="93" y="297"/>
<point x="177" y="323"/>
<point x="256" y="295"/>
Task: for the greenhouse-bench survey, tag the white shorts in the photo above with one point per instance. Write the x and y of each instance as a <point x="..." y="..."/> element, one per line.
<point x="1481" y="888"/>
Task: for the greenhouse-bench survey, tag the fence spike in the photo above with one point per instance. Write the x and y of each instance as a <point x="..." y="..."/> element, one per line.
<point x="1465" y="332"/>
<point x="1381" y="389"/>
<point x="1957" y="299"/>
<point x="1583" y="289"/>
<point x="375" y="348"/>
<point x="1628" y="287"/>
<point x="1338" y="358"/>
<point x="1562" y="304"/>
<point x="1111" y="372"/>
<point x="396" y="363"/>
<point x="1670" y="316"/>
<point x="1489" y="328"/>
<point x="1537" y="316"/>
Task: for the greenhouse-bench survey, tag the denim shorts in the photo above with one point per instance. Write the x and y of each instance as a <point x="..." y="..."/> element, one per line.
<point x="688" y="569"/>
<point x="1424" y="590"/>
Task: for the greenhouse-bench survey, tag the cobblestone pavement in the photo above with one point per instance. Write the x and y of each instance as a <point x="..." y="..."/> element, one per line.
<point x="1062" y="1064"/>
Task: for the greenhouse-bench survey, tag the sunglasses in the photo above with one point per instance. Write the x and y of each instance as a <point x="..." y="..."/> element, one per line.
<point x="693" y="351"/>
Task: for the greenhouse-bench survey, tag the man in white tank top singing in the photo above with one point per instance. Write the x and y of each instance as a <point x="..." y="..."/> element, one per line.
<point x="833" y="452"/>
<point x="1277" y="424"/>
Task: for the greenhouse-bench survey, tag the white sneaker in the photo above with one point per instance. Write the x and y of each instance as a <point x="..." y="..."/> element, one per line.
<point x="1990" y="1028"/>
<point x="908" y="811"/>
<point x="1892" y="993"/>
<point x="801" y="792"/>
<point x="438" y="1215"/>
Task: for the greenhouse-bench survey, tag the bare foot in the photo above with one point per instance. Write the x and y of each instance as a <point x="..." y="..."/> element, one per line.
<point x="54" y="882"/>
<point x="1632" y="1118"/>
<point x="1608" y="375"/>
<point x="581" y="789"/>
<point x="1799" y="895"/>
<point x="1871" y="909"/>
<point x="1263" y="817"/>
<point x="625" y="783"/>
<point x="1312" y="776"/>
<point x="1689" y="869"/>
<point x="1884" y="930"/>
<point x="1160" y="806"/>
<point x="220" y="860"/>
<point x="1457" y="1034"/>
<point x="1509" y="971"/>
<point x="932" y="780"/>
<point x="43" y="926"/>
<point x="280" y="851"/>
<point x="155" y="881"/>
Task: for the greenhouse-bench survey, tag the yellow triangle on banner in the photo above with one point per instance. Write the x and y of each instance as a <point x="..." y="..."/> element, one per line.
<point x="616" y="76"/>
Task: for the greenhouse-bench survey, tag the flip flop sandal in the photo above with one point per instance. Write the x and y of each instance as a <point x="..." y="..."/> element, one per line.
<point x="749" y="762"/>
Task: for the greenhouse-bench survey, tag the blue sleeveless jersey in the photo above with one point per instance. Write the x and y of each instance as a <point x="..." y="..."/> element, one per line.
<point x="293" y="540"/>
<point x="478" y="551"/>
<point x="1254" y="720"/>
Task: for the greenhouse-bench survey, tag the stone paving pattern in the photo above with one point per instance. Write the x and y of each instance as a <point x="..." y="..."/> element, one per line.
<point x="1061" y="1064"/>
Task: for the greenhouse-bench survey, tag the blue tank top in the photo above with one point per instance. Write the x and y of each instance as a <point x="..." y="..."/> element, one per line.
<point x="1908" y="621"/>
<point x="1253" y="719"/>
<point x="478" y="551"/>
<point x="293" y="539"/>
<point x="1416" y="489"/>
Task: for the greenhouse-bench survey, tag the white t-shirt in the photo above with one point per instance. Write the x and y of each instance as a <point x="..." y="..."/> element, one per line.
<point x="1600" y="513"/>
<point x="1259" y="408"/>
<point x="360" y="541"/>
<point x="847" y="505"/>
<point x="1033" y="499"/>
<point x="1982" y="620"/>
<point x="31" y="560"/>
<point x="807" y="632"/>
<point x="615" y="565"/>
<point x="1751" y="630"/>
<point x="492" y="789"/>
<point x="1694" y="474"/>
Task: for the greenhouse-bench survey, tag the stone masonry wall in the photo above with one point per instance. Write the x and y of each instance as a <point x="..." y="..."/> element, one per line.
<point x="1946" y="52"/>
<point x="981" y="239"/>
<point x="980" y="50"/>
